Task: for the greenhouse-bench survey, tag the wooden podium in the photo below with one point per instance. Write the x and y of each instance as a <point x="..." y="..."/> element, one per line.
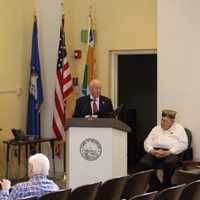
<point x="96" y="150"/>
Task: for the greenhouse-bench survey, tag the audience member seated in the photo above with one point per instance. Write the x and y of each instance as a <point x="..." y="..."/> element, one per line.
<point x="164" y="146"/>
<point x="37" y="185"/>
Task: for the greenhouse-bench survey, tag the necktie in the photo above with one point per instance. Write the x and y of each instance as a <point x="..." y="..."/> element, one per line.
<point x="94" y="106"/>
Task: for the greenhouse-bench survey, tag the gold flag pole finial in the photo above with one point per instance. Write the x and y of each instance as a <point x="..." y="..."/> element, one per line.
<point x="34" y="16"/>
<point x="62" y="14"/>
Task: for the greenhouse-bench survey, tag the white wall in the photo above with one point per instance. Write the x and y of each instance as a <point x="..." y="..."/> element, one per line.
<point x="49" y="20"/>
<point x="49" y="27"/>
<point x="179" y="62"/>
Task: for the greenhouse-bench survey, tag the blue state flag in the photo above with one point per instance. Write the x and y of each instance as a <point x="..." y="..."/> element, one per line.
<point x="35" y="98"/>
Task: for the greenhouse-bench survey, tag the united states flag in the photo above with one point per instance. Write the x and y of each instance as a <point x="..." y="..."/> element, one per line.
<point x="63" y="86"/>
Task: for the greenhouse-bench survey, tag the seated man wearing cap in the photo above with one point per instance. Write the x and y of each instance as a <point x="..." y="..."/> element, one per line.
<point x="164" y="145"/>
<point x="37" y="185"/>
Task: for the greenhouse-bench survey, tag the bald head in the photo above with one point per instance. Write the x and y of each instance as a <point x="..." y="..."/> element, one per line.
<point x="95" y="88"/>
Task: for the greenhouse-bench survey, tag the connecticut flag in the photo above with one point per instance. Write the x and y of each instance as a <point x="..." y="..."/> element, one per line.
<point x="35" y="98"/>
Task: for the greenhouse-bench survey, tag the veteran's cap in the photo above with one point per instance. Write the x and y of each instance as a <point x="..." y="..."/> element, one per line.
<point x="169" y="113"/>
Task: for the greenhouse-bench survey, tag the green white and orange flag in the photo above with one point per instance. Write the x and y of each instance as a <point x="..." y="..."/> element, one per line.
<point x="89" y="66"/>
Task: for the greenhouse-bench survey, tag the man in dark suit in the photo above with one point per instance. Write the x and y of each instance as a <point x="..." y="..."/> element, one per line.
<point x="93" y="104"/>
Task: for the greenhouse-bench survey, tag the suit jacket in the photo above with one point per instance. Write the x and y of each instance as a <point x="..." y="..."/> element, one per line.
<point x="83" y="106"/>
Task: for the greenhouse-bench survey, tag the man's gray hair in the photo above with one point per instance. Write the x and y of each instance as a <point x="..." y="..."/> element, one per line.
<point x="40" y="164"/>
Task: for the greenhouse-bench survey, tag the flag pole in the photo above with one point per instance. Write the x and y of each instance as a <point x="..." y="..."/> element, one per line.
<point x="35" y="97"/>
<point x="63" y="88"/>
<point x="64" y="143"/>
<point x="62" y="8"/>
<point x="90" y="10"/>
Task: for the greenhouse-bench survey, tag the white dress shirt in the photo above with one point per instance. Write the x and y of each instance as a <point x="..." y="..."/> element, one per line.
<point x="174" y="138"/>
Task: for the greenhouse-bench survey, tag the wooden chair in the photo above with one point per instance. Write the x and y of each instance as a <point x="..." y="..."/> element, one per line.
<point x="85" y="192"/>
<point x="191" y="191"/>
<point x="137" y="184"/>
<point x="145" y="196"/>
<point x="172" y="193"/>
<point x="112" y="189"/>
<point x="62" y="194"/>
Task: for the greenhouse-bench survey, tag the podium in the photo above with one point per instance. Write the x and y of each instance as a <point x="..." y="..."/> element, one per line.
<point x="96" y="150"/>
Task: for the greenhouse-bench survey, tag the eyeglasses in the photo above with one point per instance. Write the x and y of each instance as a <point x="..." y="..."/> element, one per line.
<point x="169" y="114"/>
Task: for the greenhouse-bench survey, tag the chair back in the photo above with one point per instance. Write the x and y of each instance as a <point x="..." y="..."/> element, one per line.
<point x="137" y="184"/>
<point x="188" y="153"/>
<point x="191" y="191"/>
<point x="145" y="196"/>
<point x="62" y="194"/>
<point x="85" y="192"/>
<point x="172" y="193"/>
<point x="112" y="189"/>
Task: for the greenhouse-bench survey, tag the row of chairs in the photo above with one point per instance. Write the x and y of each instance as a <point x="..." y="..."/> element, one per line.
<point x="114" y="189"/>
<point x="190" y="191"/>
<point x="132" y="187"/>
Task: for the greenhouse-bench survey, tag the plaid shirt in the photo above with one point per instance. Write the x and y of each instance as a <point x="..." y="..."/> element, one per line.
<point x="36" y="186"/>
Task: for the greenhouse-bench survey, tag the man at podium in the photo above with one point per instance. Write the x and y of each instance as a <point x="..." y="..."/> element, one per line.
<point x="94" y="103"/>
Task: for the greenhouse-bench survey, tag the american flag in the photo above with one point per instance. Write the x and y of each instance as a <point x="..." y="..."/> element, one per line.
<point x="63" y="86"/>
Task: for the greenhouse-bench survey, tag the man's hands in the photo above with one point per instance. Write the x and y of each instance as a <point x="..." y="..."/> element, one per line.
<point x="160" y="153"/>
<point x="5" y="184"/>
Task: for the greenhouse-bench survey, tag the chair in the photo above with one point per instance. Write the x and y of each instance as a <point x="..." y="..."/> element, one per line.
<point x="137" y="184"/>
<point x="62" y="194"/>
<point x="185" y="160"/>
<point x="85" y="192"/>
<point x="188" y="153"/>
<point x="191" y="191"/>
<point x="29" y="198"/>
<point x="112" y="189"/>
<point x="145" y="196"/>
<point x="172" y="193"/>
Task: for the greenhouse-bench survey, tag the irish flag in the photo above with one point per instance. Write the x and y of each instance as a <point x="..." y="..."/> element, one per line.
<point x="89" y="66"/>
